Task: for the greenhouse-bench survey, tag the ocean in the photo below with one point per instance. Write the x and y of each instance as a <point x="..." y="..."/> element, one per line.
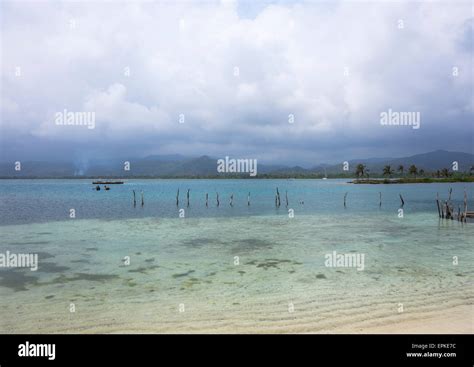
<point x="110" y="266"/>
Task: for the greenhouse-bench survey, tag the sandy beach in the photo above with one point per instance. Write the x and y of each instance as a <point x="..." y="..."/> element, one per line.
<point x="455" y="320"/>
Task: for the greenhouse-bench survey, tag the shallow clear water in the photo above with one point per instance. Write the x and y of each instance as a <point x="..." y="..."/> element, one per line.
<point x="234" y="268"/>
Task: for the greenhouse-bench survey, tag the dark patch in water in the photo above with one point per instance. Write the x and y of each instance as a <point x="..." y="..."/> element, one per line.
<point x="272" y="263"/>
<point x="44" y="255"/>
<point x="83" y="276"/>
<point x="268" y="265"/>
<point x="180" y="275"/>
<point x="285" y="261"/>
<point x="138" y="270"/>
<point x="43" y="233"/>
<point x="51" y="268"/>
<point x="150" y="260"/>
<point x="92" y="249"/>
<point x="94" y="277"/>
<point x="143" y="270"/>
<point x="190" y="282"/>
<point x="138" y="253"/>
<point x="31" y="243"/>
<point x="81" y="261"/>
<point x="49" y="297"/>
<point x="199" y="242"/>
<point x="17" y="279"/>
<point x="241" y="272"/>
<point x="251" y="244"/>
<point x="321" y="276"/>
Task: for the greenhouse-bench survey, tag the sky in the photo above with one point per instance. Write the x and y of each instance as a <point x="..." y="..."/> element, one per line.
<point x="285" y="82"/>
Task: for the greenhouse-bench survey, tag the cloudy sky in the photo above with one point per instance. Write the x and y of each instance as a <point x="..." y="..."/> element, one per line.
<point x="236" y="71"/>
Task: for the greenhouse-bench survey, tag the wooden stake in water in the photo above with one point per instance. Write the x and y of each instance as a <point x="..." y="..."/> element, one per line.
<point x="231" y="200"/>
<point x="448" y="210"/>
<point x="380" y="199"/>
<point x="437" y="204"/>
<point x="217" y="199"/>
<point x="401" y="199"/>
<point x="207" y="200"/>
<point x="286" y="197"/>
<point x="345" y="197"/>
<point x="465" y="207"/>
<point x="143" y="201"/>
<point x="134" y="199"/>
<point x="177" y="198"/>
<point x="248" y="199"/>
<point x="187" y="197"/>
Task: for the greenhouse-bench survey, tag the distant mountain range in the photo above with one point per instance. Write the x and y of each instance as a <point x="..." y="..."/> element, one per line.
<point x="205" y="166"/>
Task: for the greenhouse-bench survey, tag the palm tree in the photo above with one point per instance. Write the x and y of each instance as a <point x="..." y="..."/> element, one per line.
<point x="445" y="172"/>
<point x="360" y="169"/>
<point x="401" y="169"/>
<point x="387" y="170"/>
<point x="413" y="170"/>
<point x="471" y="170"/>
<point x="422" y="172"/>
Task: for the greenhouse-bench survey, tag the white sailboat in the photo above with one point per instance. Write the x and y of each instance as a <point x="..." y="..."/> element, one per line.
<point x="325" y="175"/>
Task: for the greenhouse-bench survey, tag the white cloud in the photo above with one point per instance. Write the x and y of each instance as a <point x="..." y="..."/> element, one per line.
<point x="182" y="56"/>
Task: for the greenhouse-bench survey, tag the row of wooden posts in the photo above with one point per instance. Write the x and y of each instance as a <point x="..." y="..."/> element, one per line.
<point x="231" y="200"/>
<point x="446" y="210"/>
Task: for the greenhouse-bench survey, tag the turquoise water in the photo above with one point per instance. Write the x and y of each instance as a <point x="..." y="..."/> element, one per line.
<point x="229" y="269"/>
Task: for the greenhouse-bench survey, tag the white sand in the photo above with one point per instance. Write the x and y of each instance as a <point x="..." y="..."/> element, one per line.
<point x="457" y="320"/>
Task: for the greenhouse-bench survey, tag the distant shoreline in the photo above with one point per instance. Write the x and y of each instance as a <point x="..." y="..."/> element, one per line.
<point x="353" y="180"/>
<point x="387" y="181"/>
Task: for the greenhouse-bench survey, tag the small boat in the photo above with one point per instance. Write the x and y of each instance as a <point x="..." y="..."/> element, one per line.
<point x="325" y="175"/>
<point x="100" y="182"/>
